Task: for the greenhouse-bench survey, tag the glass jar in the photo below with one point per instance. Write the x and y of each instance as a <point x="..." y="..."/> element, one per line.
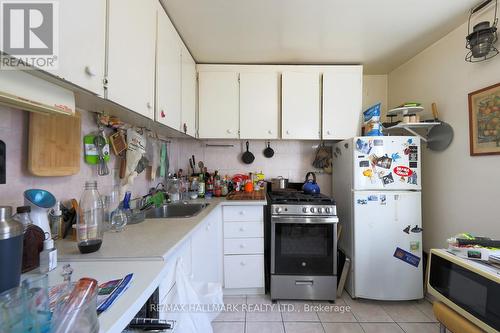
<point x="90" y="219"/>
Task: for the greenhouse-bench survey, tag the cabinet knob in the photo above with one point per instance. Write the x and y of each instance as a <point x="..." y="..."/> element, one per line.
<point x="270" y="132"/>
<point x="229" y="131"/>
<point x="185" y="128"/>
<point x="329" y="132"/>
<point x="287" y="132"/>
<point x="242" y="263"/>
<point x="242" y="246"/>
<point x="149" y="105"/>
<point x="242" y="212"/>
<point x="242" y="229"/>
<point x="89" y="71"/>
<point x="162" y="113"/>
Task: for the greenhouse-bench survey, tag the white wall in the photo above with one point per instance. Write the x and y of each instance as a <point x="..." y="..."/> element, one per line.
<point x="460" y="193"/>
<point x="375" y="91"/>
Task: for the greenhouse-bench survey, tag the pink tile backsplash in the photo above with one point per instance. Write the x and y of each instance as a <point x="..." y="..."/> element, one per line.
<point x="292" y="159"/>
<point x="14" y="132"/>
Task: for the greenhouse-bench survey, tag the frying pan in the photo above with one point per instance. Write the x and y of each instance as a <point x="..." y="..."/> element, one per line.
<point x="268" y="152"/>
<point x="247" y="156"/>
<point x="439" y="136"/>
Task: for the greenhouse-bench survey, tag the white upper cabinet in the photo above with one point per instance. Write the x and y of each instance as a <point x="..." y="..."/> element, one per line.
<point x="82" y="43"/>
<point x="189" y="85"/>
<point x="218" y="105"/>
<point x="168" y="73"/>
<point x="342" y="102"/>
<point x="259" y="105"/>
<point x="131" y="54"/>
<point x="300" y="105"/>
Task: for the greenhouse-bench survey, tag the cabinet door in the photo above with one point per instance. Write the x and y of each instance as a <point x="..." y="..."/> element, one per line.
<point x="168" y="73"/>
<point x="189" y="85"/>
<point x="218" y="105"/>
<point x="300" y="98"/>
<point x="207" y="249"/>
<point x="131" y="54"/>
<point x="259" y="105"/>
<point x="342" y="102"/>
<point x="82" y="43"/>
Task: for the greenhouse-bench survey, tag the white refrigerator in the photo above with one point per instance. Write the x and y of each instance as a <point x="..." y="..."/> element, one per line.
<point x="377" y="184"/>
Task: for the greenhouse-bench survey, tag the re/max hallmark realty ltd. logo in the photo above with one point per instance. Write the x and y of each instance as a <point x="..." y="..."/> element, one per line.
<point x="29" y="34"/>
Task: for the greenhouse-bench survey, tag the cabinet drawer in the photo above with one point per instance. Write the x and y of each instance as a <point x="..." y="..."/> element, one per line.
<point x="243" y="213"/>
<point x="243" y="230"/>
<point x="244" y="271"/>
<point x="244" y="246"/>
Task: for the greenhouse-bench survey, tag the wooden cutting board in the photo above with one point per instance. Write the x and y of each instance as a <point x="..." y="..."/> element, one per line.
<point x="54" y="144"/>
<point x="241" y="195"/>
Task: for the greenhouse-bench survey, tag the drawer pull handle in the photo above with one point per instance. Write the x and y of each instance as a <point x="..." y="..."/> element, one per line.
<point x="304" y="282"/>
<point x="242" y="263"/>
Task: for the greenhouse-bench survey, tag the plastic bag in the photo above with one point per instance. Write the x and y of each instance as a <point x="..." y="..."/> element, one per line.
<point x="371" y="118"/>
<point x="206" y="297"/>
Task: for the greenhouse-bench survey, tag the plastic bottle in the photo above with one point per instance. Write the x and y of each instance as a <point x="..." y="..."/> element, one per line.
<point x="48" y="257"/>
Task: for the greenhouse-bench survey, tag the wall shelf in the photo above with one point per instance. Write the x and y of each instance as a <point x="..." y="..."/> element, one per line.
<point x="412" y="127"/>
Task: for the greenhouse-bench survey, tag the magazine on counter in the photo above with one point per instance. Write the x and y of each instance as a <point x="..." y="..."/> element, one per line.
<point x="110" y="291"/>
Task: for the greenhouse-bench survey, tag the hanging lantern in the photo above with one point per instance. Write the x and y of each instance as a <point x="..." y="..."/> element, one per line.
<point x="481" y="40"/>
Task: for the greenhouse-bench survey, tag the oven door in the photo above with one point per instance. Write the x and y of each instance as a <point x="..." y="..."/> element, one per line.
<point x="303" y="245"/>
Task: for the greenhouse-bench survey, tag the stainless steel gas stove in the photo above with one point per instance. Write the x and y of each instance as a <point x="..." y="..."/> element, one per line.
<point x="302" y="237"/>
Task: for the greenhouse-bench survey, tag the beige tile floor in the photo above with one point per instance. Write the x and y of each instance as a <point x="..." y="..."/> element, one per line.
<point x="257" y="314"/>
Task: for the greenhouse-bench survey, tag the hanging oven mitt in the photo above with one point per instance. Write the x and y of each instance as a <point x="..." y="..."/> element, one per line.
<point x="163" y="157"/>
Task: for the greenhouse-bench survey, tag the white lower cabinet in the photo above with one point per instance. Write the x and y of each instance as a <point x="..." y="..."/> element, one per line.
<point x="206" y="245"/>
<point x="244" y="271"/>
<point x="243" y="247"/>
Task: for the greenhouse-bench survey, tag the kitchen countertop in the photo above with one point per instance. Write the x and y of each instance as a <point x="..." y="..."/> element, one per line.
<point x="147" y="276"/>
<point x="153" y="239"/>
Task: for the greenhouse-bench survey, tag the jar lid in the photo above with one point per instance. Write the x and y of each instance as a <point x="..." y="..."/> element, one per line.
<point x="9" y="227"/>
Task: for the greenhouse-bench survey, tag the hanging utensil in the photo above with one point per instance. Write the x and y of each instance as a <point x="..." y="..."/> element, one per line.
<point x="440" y="136"/>
<point x="248" y="157"/>
<point x="268" y="152"/>
<point x="102" y="167"/>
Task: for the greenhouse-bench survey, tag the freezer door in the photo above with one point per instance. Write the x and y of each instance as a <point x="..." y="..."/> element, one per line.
<point x="387" y="245"/>
<point x="387" y="163"/>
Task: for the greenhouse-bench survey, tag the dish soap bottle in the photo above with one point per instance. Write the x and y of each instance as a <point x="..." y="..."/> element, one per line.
<point x="48" y="257"/>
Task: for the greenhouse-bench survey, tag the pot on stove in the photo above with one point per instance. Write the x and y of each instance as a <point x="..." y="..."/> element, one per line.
<point x="310" y="186"/>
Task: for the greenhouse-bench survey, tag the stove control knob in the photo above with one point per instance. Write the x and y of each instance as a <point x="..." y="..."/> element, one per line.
<point x="278" y="210"/>
<point x="320" y="210"/>
<point x="304" y="209"/>
<point x="328" y="210"/>
<point x="313" y="210"/>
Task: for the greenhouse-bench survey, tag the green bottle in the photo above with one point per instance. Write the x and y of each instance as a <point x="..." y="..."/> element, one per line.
<point x="201" y="187"/>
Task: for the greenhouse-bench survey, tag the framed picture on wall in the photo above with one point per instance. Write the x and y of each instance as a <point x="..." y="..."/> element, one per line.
<point x="484" y="121"/>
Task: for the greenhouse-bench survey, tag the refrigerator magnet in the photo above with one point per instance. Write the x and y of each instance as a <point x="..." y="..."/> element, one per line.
<point x="414" y="246"/>
<point x="407" y="229"/>
<point x="417" y="230"/>
<point x="364" y="164"/>
<point x="362" y="202"/>
<point x="395" y="157"/>
<point x="383" y="199"/>
<point x="363" y="146"/>
<point x="372" y="198"/>
<point x="407" y="257"/>
<point x="388" y="179"/>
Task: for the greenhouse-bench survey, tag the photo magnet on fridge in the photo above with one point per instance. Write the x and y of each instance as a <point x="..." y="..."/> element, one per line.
<point x="407" y="257"/>
<point x="414" y="246"/>
<point x="383" y="199"/>
<point x="363" y="146"/>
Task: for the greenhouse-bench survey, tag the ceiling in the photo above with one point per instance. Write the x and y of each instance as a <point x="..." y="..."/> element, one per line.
<point x="380" y="34"/>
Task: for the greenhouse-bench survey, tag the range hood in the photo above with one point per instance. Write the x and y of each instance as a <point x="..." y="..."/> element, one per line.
<point x="21" y="90"/>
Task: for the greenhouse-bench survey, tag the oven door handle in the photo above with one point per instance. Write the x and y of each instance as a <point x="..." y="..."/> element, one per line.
<point x="305" y="219"/>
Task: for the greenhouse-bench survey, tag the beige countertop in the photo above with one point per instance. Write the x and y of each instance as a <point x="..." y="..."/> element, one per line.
<point x="153" y="239"/>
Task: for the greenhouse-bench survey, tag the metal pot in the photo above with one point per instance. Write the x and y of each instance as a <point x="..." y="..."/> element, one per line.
<point x="279" y="183"/>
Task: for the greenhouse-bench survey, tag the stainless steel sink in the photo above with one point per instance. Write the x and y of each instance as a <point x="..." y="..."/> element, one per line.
<point x="175" y="210"/>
